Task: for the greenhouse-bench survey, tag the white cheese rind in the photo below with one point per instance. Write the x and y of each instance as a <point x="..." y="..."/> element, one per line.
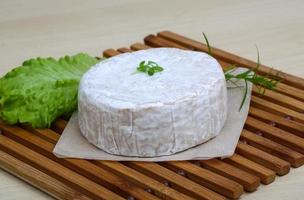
<point x="133" y="114"/>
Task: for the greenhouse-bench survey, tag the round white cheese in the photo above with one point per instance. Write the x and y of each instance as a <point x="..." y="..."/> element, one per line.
<point x="134" y="114"/>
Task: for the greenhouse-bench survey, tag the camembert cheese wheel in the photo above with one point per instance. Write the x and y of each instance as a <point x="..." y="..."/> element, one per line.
<point x="130" y="113"/>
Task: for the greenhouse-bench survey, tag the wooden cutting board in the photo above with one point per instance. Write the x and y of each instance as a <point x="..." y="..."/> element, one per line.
<point x="271" y="144"/>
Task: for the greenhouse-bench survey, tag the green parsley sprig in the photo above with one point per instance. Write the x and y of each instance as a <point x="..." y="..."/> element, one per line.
<point x="261" y="82"/>
<point x="149" y="67"/>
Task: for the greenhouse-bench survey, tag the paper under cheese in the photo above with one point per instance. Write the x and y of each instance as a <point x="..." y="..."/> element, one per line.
<point x="133" y="114"/>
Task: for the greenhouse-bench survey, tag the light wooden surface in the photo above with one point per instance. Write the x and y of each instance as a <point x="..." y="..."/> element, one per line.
<point x="54" y="28"/>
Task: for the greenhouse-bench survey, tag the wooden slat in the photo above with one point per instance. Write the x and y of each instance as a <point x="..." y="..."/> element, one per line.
<point x="46" y="134"/>
<point x="281" y="99"/>
<point x="280" y="122"/>
<point x="231" y="58"/>
<point x="136" y="177"/>
<point x="266" y="175"/>
<point x="124" y="50"/>
<point x="275" y="134"/>
<point x="207" y="178"/>
<point x="176" y="181"/>
<point x="59" y="125"/>
<point x="281" y="167"/>
<point x="276" y="109"/>
<point x="110" y="52"/>
<point x="294" y="158"/>
<point x="139" y="46"/>
<point x="85" y="167"/>
<point x="38" y="179"/>
<point x="290" y="91"/>
<point x="66" y="175"/>
<point x="155" y="41"/>
<point x="247" y="180"/>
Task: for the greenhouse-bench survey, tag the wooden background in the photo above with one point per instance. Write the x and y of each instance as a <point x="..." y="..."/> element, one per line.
<point x="55" y="28"/>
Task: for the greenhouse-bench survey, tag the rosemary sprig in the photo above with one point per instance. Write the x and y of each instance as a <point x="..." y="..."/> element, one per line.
<point x="207" y="42"/>
<point x="261" y="82"/>
<point x="149" y="67"/>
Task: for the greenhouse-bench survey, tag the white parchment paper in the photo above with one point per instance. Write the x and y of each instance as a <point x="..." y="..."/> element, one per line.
<point x="73" y="145"/>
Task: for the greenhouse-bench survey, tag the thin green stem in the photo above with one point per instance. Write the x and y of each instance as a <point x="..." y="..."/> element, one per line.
<point x="261" y="82"/>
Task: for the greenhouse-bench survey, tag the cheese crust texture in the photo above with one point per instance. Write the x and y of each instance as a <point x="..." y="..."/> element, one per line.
<point x="134" y="114"/>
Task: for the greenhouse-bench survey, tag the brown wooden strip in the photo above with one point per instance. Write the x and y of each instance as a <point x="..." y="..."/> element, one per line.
<point x="46" y="134"/>
<point x="207" y="178"/>
<point x="84" y="167"/>
<point x="124" y="50"/>
<point x="143" y="180"/>
<point x="139" y="46"/>
<point x="276" y="109"/>
<point x="281" y="167"/>
<point x="155" y="41"/>
<point x="280" y="122"/>
<point x="231" y="58"/>
<point x="38" y="179"/>
<point x="59" y="125"/>
<point x="54" y="169"/>
<point x="247" y="180"/>
<point x="266" y="175"/>
<point x="175" y="181"/>
<point x="275" y="134"/>
<point x="290" y="91"/>
<point x="281" y="99"/>
<point x="294" y="158"/>
<point x="110" y="52"/>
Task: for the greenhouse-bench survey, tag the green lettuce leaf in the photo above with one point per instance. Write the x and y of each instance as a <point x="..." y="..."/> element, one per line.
<point x="42" y="89"/>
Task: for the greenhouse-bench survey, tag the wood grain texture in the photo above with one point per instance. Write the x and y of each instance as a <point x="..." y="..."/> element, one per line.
<point x="43" y="163"/>
<point x="294" y="158"/>
<point x="207" y="178"/>
<point x="266" y="175"/>
<point x="44" y="146"/>
<point x="275" y="134"/>
<point x="178" y="182"/>
<point x="276" y="164"/>
<point x="248" y="181"/>
<point x="278" y="121"/>
<point x="39" y="179"/>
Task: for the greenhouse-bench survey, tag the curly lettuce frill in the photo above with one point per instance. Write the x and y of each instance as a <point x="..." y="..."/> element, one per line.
<point x="42" y="89"/>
